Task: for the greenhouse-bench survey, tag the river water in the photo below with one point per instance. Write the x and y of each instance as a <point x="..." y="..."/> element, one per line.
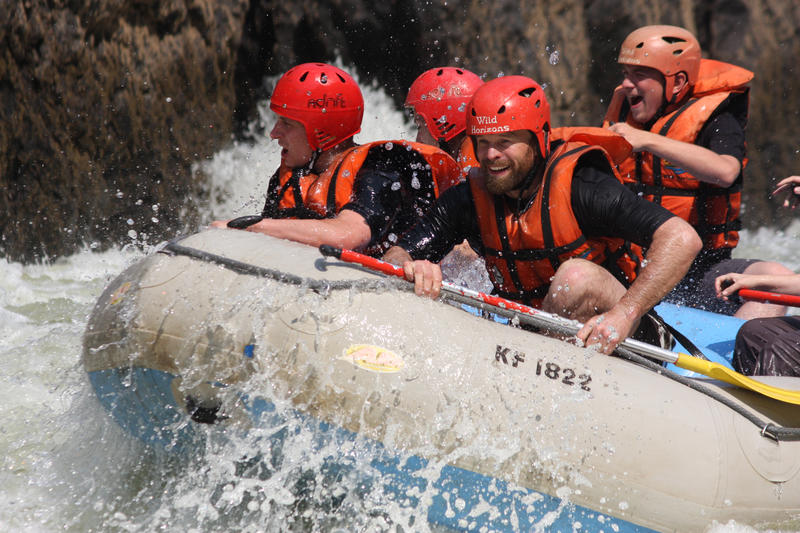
<point x="66" y="466"/>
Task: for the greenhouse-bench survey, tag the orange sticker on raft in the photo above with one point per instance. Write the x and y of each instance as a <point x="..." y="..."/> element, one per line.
<point x="120" y="293"/>
<point x="373" y="358"/>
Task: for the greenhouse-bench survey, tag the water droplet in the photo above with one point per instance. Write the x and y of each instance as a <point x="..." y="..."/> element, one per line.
<point x="554" y="58"/>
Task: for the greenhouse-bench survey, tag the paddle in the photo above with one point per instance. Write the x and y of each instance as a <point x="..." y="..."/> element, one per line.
<point x="546" y="320"/>
<point x="769" y="297"/>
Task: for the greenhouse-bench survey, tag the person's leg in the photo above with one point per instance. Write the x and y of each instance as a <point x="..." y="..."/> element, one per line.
<point x="768" y="347"/>
<point x="701" y="293"/>
<point x="581" y="289"/>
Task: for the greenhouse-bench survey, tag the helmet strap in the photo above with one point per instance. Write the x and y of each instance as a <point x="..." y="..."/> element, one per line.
<point x="308" y="168"/>
<point x="536" y="171"/>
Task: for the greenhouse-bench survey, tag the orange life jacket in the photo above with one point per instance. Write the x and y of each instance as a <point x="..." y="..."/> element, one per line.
<point x="294" y="194"/>
<point x="712" y="210"/>
<point x="524" y="250"/>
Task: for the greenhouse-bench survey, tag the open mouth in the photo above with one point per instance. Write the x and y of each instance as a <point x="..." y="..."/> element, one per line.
<point x="635" y="100"/>
<point x="498" y="169"/>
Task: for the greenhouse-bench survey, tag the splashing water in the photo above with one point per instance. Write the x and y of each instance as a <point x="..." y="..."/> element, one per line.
<point x="67" y="466"/>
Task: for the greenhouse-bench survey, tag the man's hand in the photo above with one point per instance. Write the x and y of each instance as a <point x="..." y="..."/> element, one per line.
<point x="427" y="276"/>
<point x="607" y="330"/>
<point x="636" y="138"/>
<point x="790" y="186"/>
<point x="219" y="224"/>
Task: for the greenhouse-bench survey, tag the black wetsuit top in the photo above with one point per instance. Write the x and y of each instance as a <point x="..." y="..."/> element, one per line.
<point x="722" y="134"/>
<point x="603" y="207"/>
<point x="393" y="188"/>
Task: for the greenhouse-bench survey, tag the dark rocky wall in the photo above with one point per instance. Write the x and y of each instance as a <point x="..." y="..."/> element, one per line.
<point x="106" y="103"/>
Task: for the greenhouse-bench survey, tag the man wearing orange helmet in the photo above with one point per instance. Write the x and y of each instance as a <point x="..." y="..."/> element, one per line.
<point x="685" y="116"/>
<point x="330" y="191"/>
<point x="552" y="220"/>
<point x="438" y="101"/>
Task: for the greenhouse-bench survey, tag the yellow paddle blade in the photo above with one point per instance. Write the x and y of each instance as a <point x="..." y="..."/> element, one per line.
<point x="723" y="373"/>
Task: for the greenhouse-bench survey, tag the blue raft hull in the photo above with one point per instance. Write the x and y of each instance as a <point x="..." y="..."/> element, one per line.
<point x="141" y="400"/>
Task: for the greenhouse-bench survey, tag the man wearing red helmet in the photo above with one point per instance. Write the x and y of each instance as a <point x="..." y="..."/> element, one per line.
<point x="330" y="191"/>
<point x="438" y="100"/>
<point x="551" y="219"/>
<point x="685" y="117"/>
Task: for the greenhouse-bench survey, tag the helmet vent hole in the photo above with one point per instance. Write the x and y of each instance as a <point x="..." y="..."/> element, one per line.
<point x="673" y="40"/>
<point x="341" y="79"/>
<point x="440" y="72"/>
<point x="538" y="104"/>
<point x="526" y="93"/>
<point x="640" y="45"/>
<point x="501" y="110"/>
<point x="677" y="52"/>
<point x="304" y="76"/>
<point x="323" y="78"/>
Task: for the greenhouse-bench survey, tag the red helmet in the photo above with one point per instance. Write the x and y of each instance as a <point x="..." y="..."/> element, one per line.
<point x="668" y="49"/>
<point x="324" y="98"/>
<point x="507" y="104"/>
<point x="440" y="96"/>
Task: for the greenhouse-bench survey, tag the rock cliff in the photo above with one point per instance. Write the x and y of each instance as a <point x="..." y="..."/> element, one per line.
<point x="106" y="104"/>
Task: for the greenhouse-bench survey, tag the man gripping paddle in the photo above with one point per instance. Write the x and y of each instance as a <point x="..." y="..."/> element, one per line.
<point x="552" y="220"/>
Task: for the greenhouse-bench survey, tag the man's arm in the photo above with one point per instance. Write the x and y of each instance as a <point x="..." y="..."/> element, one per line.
<point x="605" y="207"/>
<point x="703" y="163"/>
<point x="673" y="248"/>
<point x="347" y="230"/>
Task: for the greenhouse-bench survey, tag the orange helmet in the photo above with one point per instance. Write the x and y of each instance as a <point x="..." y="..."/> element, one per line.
<point x="507" y="104"/>
<point x="324" y="98"/>
<point x="440" y="96"/>
<point x="668" y="49"/>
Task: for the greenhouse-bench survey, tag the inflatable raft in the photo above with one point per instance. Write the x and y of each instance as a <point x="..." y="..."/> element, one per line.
<point x="484" y="425"/>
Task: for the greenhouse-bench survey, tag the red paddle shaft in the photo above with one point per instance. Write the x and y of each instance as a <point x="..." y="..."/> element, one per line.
<point x="770" y="297"/>
<point x="393" y="270"/>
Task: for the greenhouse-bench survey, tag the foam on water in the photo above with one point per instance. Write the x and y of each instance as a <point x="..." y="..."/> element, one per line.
<point x="67" y="466"/>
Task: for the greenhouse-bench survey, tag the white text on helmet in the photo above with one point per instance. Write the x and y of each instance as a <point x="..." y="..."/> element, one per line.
<point x="490" y="129"/>
<point x="485" y="119"/>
